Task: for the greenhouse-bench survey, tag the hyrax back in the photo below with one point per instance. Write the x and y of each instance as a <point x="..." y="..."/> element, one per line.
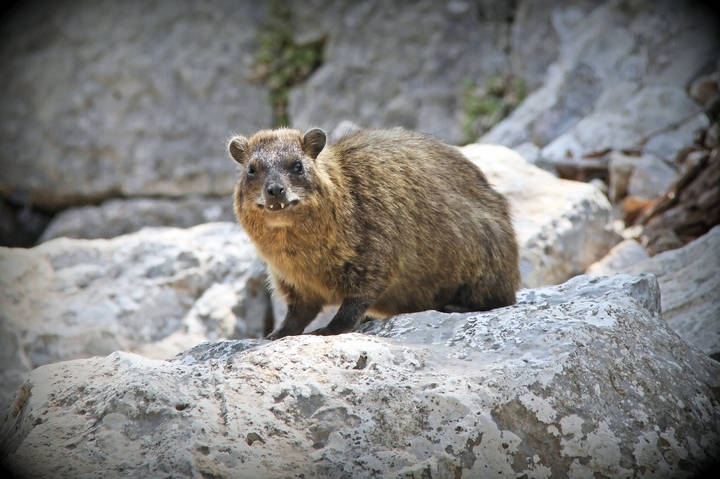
<point x="382" y="221"/>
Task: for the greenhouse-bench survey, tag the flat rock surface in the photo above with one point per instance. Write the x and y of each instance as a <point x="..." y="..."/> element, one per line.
<point x="158" y="291"/>
<point x="578" y="380"/>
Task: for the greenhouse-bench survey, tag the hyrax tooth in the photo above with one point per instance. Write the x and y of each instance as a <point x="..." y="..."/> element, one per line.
<point x="282" y="205"/>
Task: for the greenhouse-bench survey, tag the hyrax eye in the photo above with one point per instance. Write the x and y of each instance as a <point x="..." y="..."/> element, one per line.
<point x="251" y="170"/>
<point x="297" y="167"/>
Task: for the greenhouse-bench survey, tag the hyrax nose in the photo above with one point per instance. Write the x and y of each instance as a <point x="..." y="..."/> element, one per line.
<point x="275" y="190"/>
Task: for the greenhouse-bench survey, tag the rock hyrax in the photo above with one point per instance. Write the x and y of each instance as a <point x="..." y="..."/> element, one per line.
<point x="381" y="222"/>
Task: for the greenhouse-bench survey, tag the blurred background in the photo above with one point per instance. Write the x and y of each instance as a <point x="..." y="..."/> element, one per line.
<point x="115" y="114"/>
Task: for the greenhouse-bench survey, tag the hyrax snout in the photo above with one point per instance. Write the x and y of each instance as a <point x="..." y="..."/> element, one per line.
<point x="381" y="222"/>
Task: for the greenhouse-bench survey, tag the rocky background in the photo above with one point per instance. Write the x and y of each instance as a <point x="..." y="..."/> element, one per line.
<point x="131" y="304"/>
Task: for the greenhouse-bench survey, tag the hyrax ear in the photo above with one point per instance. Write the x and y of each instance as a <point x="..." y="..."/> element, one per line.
<point x="313" y="142"/>
<point x="238" y="146"/>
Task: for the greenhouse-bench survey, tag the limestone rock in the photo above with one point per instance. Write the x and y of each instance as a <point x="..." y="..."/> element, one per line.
<point x="619" y="79"/>
<point x="96" y="105"/>
<point x="404" y="66"/>
<point x="529" y="151"/>
<point x="562" y="226"/>
<point x="122" y="216"/>
<point x="158" y="291"/>
<point x="667" y="145"/>
<point x="578" y="380"/>
<point x="539" y="31"/>
<point x="689" y="282"/>
<point x="621" y="256"/>
<point x="626" y="123"/>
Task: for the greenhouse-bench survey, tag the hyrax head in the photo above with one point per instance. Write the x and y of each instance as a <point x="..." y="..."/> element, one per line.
<point x="277" y="171"/>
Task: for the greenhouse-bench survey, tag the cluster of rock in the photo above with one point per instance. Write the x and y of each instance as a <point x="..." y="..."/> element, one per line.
<point x="578" y="380"/>
<point x="157" y="291"/>
<point x="596" y="376"/>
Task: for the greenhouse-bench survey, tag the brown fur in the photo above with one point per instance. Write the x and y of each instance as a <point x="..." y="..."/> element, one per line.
<point x="384" y="221"/>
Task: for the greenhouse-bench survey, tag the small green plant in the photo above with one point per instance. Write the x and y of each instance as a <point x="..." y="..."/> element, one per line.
<point x="485" y="106"/>
<point x="280" y="63"/>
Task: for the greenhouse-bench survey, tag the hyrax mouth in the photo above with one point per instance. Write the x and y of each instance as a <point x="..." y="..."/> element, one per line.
<point x="275" y="206"/>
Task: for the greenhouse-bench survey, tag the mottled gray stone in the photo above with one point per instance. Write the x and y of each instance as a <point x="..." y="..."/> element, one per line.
<point x="619" y="77"/>
<point x="621" y="256"/>
<point x="122" y="216"/>
<point x="104" y="99"/>
<point x="668" y="144"/>
<point x="578" y="380"/>
<point x="690" y="282"/>
<point x="157" y="291"/>
<point x="622" y="123"/>
<point x="529" y="151"/>
<point x="392" y="64"/>
<point x="538" y="30"/>
<point x="217" y="351"/>
<point x="516" y="128"/>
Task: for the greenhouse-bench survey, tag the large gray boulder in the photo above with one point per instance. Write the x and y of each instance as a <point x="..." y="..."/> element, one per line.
<point x="579" y="380"/>
<point x="157" y="291"/>
<point x="106" y="99"/>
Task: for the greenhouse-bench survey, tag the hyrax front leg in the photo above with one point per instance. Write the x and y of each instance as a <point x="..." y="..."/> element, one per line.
<point x="299" y="315"/>
<point x="361" y="282"/>
<point x="350" y="312"/>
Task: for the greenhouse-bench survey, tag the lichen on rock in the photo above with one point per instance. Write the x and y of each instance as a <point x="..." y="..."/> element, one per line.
<point x="576" y="380"/>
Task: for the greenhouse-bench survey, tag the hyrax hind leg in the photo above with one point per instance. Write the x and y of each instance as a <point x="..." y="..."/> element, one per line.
<point x="479" y="297"/>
